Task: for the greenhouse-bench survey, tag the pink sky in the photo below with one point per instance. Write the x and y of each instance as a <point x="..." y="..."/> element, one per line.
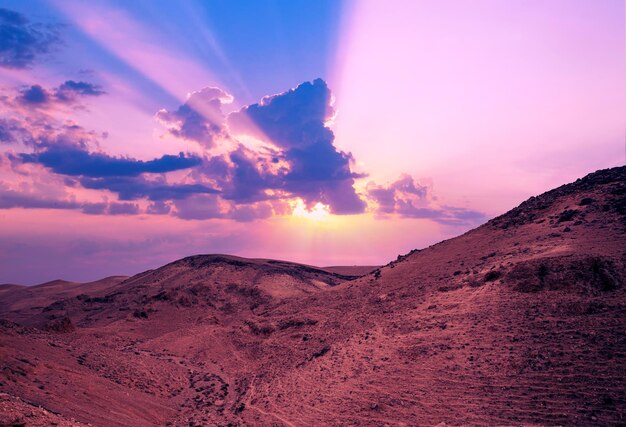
<point x="495" y="101"/>
<point x="456" y="110"/>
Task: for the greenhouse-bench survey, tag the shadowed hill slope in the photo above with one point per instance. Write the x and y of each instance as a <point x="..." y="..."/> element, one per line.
<point x="520" y="321"/>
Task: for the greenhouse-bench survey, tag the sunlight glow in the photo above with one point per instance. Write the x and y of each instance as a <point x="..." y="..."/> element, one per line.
<point x="319" y="212"/>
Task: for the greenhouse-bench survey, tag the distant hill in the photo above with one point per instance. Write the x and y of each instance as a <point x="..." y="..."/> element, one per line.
<point x="352" y="270"/>
<point x="22" y="302"/>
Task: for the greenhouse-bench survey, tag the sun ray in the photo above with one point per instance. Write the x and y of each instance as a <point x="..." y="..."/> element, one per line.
<point x="318" y="212"/>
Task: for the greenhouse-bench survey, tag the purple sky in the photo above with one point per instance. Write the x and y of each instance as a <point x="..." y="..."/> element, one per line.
<point x="324" y="132"/>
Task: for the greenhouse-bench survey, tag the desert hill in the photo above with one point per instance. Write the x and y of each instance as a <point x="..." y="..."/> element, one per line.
<point x="520" y="321"/>
<point x="23" y="302"/>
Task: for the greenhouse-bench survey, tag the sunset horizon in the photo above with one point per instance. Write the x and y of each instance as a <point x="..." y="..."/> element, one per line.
<point x="132" y="140"/>
<point x="295" y="213"/>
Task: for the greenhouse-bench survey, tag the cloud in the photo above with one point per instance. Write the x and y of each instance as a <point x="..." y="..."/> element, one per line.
<point x="159" y="208"/>
<point x="318" y="172"/>
<point x="288" y="119"/>
<point x="21" y="41"/>
<point x="294" y="156"/>
<point x="200" y="206"/>
<point x="384" y="197"/>
<point x="299" y="158"/>
<point x="11" y="130"/>
<point x="14" y="199"/>
<point x="70" y="150"/>
<point x="121" y="175"/>
<point x="245" y="181"/>
<point x="75" y="161"/>
<point x="82" y="88"/>
<point x="39" y="131"/>
<point x="200" y="118"/>
<point x="11" y="199"/>
<point x="248" y="213"/>
<point x="34" y="95"/>
<point x="242" y="175"/>
<point x="95" y="209"/>
<point x="70" y="90"/>
<point x="66" y="93"/>
<point x="116" y="208"/>
<point x="209" y="206"/>
<point x="134" y="188"/>
<point x="295" y="122"/>
<point x="409" y="199"/>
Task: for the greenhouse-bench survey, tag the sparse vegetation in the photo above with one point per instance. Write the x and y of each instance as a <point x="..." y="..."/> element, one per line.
<point x="567" y="215"/>
<point x="295" y="323"/>
<point x="260" y="330"/>
<point x="140" y="314"/>
<point x="492" y="275"/>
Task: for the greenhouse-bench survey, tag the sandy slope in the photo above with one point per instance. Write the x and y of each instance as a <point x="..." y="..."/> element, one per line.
<point x="521" y="321"/>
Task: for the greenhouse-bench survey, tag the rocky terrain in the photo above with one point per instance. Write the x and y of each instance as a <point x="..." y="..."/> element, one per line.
<point x="521" y="321"/>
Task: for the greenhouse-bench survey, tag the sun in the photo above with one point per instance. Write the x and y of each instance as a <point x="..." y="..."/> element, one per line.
<point x="319" y="211"/>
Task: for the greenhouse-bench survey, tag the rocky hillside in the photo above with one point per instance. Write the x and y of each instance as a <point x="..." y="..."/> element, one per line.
<point x="518" y="322"/>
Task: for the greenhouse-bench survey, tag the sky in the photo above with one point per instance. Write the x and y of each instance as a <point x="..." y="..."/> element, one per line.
<point x="325" y="132"/>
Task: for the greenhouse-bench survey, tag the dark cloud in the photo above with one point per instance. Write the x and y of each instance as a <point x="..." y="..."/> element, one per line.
<point x="120" y="175"/>
<point x="295" y="121"/>
<point x="318" y="172"/>
<point x="200" y="119"/>
<point x="34" y="95"/>
<point x="290" y="119"/>
<point x="243" y="175"/>
<point x="67" y="93"/>
<point x="407" y="198"/>
<point x="21" y="41"/>
<point x="82" y="88"/>
<point x="71" y="160"/>
<point x="133" y="188"/>
<point x="65" y="150"/>
<point x="70" y="90"/>
<point x="247" y="181"/>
